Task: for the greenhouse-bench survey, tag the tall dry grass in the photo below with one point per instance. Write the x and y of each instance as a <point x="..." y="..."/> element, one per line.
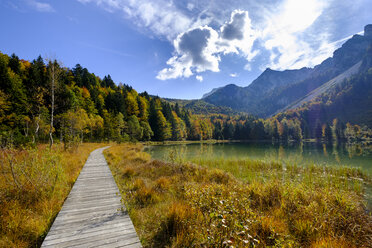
<point x="34" y="182"/>
<point x="266" y="203"/>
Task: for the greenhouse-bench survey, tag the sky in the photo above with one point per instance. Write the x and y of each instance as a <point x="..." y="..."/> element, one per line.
<point x="180" y="49"/>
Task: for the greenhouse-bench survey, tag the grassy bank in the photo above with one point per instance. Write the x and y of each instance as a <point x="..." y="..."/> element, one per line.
<point x="34" y="183"/>
<point x="241" y="203"/>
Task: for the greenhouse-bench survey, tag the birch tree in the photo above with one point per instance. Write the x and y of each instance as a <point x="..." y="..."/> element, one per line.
<point x="54" y="72"/>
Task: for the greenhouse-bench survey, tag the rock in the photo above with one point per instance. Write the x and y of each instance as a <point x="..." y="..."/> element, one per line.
<point x="368" y="31"/>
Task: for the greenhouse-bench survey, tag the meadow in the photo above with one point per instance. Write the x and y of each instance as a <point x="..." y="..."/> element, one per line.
<point x="34" y="182"/>
<point x="208" y="202"/>
<point x="241" y="203"/>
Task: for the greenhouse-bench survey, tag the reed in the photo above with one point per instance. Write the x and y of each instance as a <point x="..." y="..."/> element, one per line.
<point x="241" y="203"/>
<point x="34" y="182"/>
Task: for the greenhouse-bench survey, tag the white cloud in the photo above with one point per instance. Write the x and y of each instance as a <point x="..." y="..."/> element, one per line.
<point x="162" y="18"/>
<point x="297" y="15"/>
<point x="41" y="7"/>
<point x="247" y="67"/>
<point x="233" y="75"/>
<point x="190" y="6"/>
<point x="238" y="36"/>
<point x="199" y="49"/>
<point x="199" y="78"/>
<point x="195" y="50"/>
<point x="202" y="31"/>
<point x="283" y="35"/>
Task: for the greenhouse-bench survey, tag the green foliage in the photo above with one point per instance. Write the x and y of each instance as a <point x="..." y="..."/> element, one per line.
<point x="147" y="132"/>
<point x="88" y="108"/>
<point x="134" y="128"/>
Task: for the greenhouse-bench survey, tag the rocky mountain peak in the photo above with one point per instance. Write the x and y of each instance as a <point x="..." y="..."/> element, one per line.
<point x="368" y="31"/>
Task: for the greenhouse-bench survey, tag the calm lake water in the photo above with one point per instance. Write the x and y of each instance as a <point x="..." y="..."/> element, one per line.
<point x="301" y="154"/>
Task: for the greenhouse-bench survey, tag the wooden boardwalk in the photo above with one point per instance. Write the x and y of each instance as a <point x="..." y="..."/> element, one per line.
<point x="92" y="215"/>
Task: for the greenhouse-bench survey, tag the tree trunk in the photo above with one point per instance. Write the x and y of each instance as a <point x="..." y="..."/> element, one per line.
<point x="61" y="133"/>
<point x="37" y="129"/>
<point x="52" y="110"/>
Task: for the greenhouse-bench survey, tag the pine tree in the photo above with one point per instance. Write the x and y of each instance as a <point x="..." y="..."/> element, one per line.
<point x="163" y="131"/>
<point x="147" y="132"/>
<point x="135" y="131"/>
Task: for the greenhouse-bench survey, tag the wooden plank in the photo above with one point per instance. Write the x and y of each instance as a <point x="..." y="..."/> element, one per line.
<point x="90" y="230"/>
<point x="92" y="215"/>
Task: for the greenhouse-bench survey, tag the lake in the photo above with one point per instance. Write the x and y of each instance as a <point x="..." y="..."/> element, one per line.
<point x="299" y="153"/>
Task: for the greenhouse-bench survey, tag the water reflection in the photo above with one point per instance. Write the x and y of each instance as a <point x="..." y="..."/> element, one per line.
<point x="300" y="153"/>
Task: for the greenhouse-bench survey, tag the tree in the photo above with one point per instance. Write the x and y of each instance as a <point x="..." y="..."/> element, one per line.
<point x="326" y="132"/>
<point x="206" y="129"/>
<point x="119" y="126"/>
<point x="337" y="132"/>
<point x="108" y="82"/>
<point x="157" y="121"/>
<point x="217" y="133"/>
<point x="296" y="130"/>
<point x="115" y="102"/>
<point x="73" y="125"/>
<point x="147" y="133"/>
<point x="228" y="130"/>
<point x="14" y="64"/>
<point x="95" y="125"/>
<point x="195" y="130"/>
<point x="163" y="131"/>
<point x="131" y="104"/>
<point x="143" y="108"/>
<point x="54" y="72"/>
<point x="134" y="128"/>
<point x="178" y="127"/>
<point x="258" y="130"/>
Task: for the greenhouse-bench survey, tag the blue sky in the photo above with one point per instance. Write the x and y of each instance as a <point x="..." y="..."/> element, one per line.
<point x="180" y="49"/>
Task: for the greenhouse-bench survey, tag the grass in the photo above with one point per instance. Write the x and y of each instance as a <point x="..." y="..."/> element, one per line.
<point x="241" y="203"/>
<point x="34" y="182"/>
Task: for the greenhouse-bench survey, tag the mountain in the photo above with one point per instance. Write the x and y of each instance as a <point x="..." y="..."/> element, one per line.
<point x="211" y="92"/>
<point x="325" y="87"/>
<point x="347" y="98"/>
<point x="247" y="98"/>
<point x="274" y="91"/>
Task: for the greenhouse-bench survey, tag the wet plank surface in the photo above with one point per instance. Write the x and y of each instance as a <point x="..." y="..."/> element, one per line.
<point x="92" y="215"/>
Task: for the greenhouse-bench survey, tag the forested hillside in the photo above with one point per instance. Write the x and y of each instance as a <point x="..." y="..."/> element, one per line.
<point x="350" y="101"/>
<point x="39" y="100"/>
<point x="45" y="102"/>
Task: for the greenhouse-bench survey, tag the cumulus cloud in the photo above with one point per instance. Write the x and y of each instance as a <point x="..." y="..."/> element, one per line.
<point x="199" y="45"/>
<point x="238" y="36"/>
<point x="280" y="33"/>
<point x="199" y="49"/>
<point x="233" y="75"/>
<point x="233" y="30"/>
<point x="199" y="78"/>
<point x="41" y="7"/>
<point x="195" y="50"/>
